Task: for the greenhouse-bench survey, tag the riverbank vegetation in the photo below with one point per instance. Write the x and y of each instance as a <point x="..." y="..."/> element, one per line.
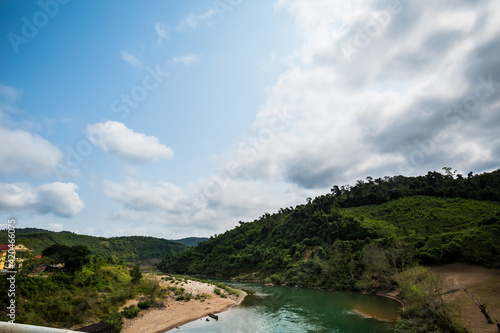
<point x="368" y="237"/>
<point x="92" y="290"/>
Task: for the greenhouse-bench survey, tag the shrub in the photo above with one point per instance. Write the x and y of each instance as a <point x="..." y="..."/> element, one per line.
<point x="144" y="304"/>
<point x="115" y="319"/>
<point x="131" y="311"/>
<point x="136" y="273"/>
<point x="425" y="306"/>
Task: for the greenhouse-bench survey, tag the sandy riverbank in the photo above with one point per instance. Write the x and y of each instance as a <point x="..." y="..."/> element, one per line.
<point x="177" y="313"/>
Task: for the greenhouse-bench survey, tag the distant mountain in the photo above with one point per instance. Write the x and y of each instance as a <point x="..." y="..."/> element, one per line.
<point x="190" y="241"/>
<point x="128" y="248"/>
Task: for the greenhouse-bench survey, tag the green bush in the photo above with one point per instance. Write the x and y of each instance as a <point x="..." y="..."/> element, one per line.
<point x="131" y="311"/>
<point x="115" y="319"/>
<point x="136" y="273"/>
<point x="276" y="279"/>
<point x="144" y="304"/>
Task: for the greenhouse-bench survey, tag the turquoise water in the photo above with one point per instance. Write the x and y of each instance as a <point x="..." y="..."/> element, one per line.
<point x="274" y="309"/>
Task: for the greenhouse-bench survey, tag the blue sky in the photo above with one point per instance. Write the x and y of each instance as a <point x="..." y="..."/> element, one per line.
<point x="181" y="118"/>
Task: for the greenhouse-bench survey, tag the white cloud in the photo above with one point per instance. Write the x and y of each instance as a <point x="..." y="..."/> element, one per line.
<point x="186" y="59"/>
<point x="58" y="198"/>
<point x="204" y="208"/>
<point x="138" y="195"/>
<point x="55" y="226"/>
<point x="161" y="30"/>
<point x="329" y="121"/>
<point x="22" y="152"/>
<point x="114" y="137"/>
<point x="364" y="116"/>
<point x="191" y="21"/>
<point x="26" y="153"/>
<point x="9" y="94"/>
<point x="133" y="61"/>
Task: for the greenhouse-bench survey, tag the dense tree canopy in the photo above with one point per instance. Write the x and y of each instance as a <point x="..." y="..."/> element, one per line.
<point x="448" y="185"/>
<point x="127" y="248"/>
<point x="338" y="239"/>
<point x="73" y="257"/>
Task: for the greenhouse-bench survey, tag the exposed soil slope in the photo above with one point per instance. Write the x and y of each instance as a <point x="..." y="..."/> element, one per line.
<point x="483" y="284"/>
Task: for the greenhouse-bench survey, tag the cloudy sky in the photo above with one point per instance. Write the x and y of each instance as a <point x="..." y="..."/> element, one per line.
<point x="181" y="118"/>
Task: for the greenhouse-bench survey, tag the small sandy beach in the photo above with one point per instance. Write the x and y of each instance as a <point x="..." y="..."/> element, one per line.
<point x="177" y="313"/>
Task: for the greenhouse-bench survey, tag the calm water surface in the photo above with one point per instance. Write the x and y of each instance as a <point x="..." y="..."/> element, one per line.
<point x="274" y="309"/>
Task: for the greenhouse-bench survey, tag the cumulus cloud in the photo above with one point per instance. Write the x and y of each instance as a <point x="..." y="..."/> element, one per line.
<point x="376" y="92"/>
<point x="371" y="90"/>
<point x="22" y="152"/>
<point x="204" y="208"/>
<point x="57" y="198"/>
<point x="26" y="153"/>
<point x="114" y="137"/>
<point x="133" y="61"/>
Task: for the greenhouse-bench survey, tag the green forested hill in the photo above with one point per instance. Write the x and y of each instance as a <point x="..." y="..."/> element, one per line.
<point x="441" y="230"/>
<point x="128" y="248"/>
<point x="190" y="241"/>
<point x="332" y="242"/>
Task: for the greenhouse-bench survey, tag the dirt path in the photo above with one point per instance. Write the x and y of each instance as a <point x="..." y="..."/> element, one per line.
<point x="483" y="284"/>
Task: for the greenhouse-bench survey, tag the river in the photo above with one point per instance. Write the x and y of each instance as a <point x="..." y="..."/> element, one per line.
<point x="277" y="309"/>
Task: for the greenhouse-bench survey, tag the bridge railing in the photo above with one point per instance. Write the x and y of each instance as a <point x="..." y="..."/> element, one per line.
<point x="6" y="327"/>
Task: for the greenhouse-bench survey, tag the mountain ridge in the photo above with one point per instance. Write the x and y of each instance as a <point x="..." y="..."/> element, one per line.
<point x="128" y="248"/>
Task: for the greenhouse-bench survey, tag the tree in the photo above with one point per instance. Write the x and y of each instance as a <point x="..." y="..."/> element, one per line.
<point x="400" y="255"/>
<point x="136" y="274"/>
<point x="78" y="256"/>
<point x="73" y="257"/>
<point x="56" y="253"/>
